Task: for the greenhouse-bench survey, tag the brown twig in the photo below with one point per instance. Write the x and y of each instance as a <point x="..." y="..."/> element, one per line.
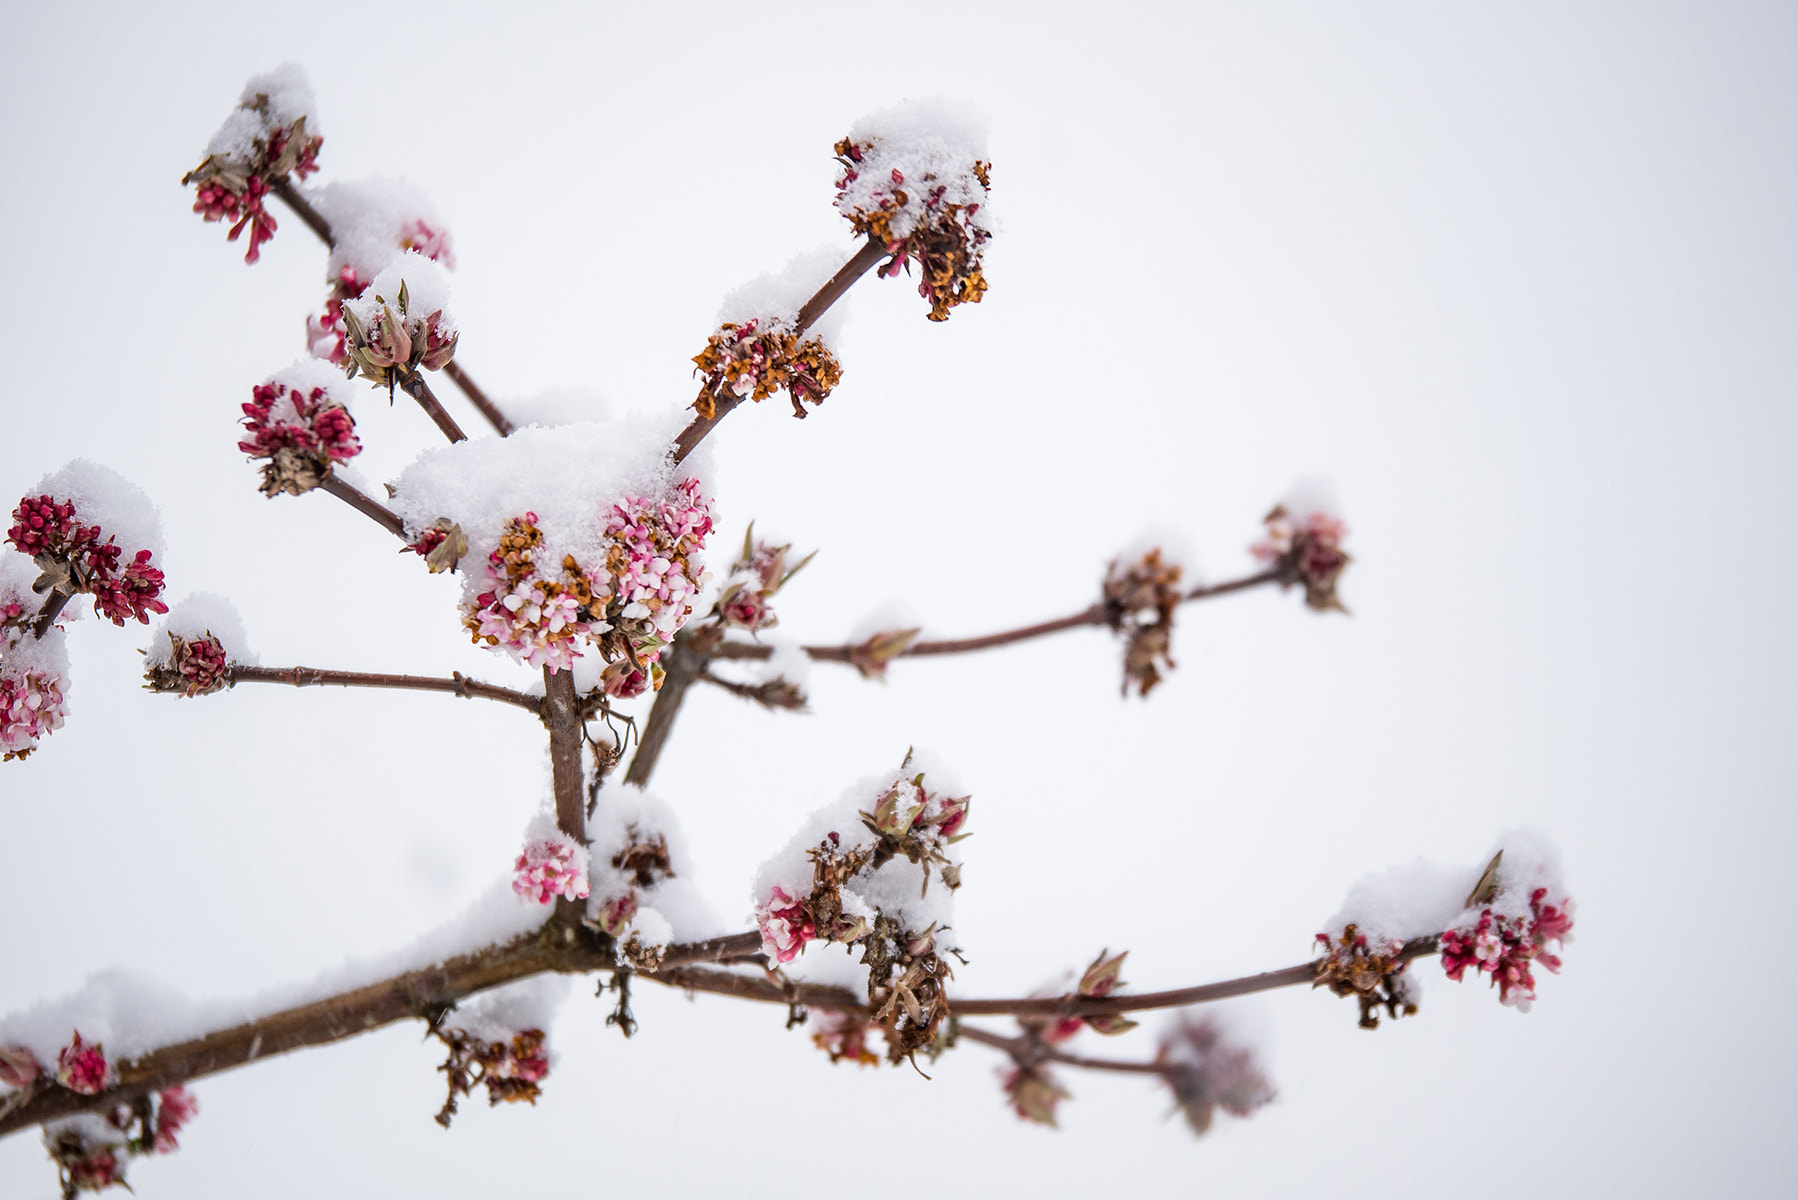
<point x="501" y="423"/>
<point x="1095" y="615"/>
<point x="417" y="388"/>
<point x="1032" y="1050"/>
<point x="457" y="684"/>
<point x="302" y="207"/>
<point x="562" y="713"/>
<point x="870" y="253"/>
<point x="47" y="615"/>
<point x="383" y="516"/>
<point x="681" y="664"/>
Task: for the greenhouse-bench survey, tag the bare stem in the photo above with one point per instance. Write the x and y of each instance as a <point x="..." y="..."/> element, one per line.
<point x="302" y="207"/>
<point x="1031" y="1050"/>
<point x="417" y="388"/>
<point x="501" y="423"/>
<point x="563" y="715"/>
<point x="681" y="665"/>
<point x="379" y="513"/>
<point x="47" y="615"/>
<point x="1095" y="615"/>
<point x="457" y="684"/>
<point x="870" y="253"/>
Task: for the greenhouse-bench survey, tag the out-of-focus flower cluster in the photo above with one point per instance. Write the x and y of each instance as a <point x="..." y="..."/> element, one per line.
<point x="1034" y="1092"/>
<point x="194" y="667"/>
<point x="551" y="865"/>
<point x="91" y="1151"/>
<point x="1506" y="946"/>
<point x="759" y="357"/>
<point x="1307" y="551"/>
<point x="630" y="605"/>
<point x="511" y="1070"/>
<point x="919" y="216"/>
<point x="73" y="559"/>
<point x="1139" y="604"/>
<point x="259" y="149"/>
<point x="1207" y="1071"/>
<point x="388" y="345"/>
<point x="758" y="574"/>
<point x="301" y="432"/>
<point x="844" y="1037"/>
<point x="1349" y="964"/>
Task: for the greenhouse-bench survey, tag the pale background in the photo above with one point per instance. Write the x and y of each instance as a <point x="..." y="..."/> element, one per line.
<point x="1518" y="278"/>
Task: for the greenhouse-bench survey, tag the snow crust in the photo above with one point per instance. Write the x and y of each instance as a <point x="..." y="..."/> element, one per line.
<point x="199" y="615"/>
<point x="290" y="97"/>
<point x="371" y="219"/>
<point x="918" y="139"/>
<point x="104" y="497"/>
<point x="1422" y="898"/>
<point x="670" y="910"/>
<point x="427" y="291"/>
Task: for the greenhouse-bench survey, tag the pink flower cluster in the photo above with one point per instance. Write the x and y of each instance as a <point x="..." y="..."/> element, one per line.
<point x="1306" y="551"/>
<point x="550" y="867"/>
<point x="301" y="434"/>
<point x="74" y="559"/>
<point x="632" y="604"/>
<point x="1207" y="1072"/>
<point x="757" y="575"/>
<point x="1506" y="946"/>
<point x="237" y="191"/>
<point x="31" y="707"/>
<point x="195" y="667"/>
<point x="786" y="926"/>
<point x="92" y="1158"/>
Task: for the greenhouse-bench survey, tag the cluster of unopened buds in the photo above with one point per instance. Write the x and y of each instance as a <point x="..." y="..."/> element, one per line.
<point x="757" y="575"/>
<point x="1505" y="947"/>
<point x="390" y="349"/>
<point x="1306" y="551"/>
<point x="91" y="1153"/>
<point x="511" y="1070"/>
<point x="1100" y="979"/>
<point x="918" y="221"/>
<point x="632" y="605"/>
<point x="327" y="335"/>
<point x="194" y="667"/>
<point x="758" y="357"/>
<point x="549" y="867"/>
<point x="237" y="189"/>
<point x="73" y="560"/>
<point x="302" y="434"/>
<point x="1207" y="1072"/>
<point x="1351" y="965"/>
<point x="1139" y="604"/>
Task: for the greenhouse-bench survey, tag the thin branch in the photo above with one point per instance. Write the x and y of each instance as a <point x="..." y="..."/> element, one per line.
<point x="417" y="388"/>
<point x="681" y="664"/>
<point x="870" y="253"/>
<point x="1034" y="1050"/>
<point x="457" y="684"/>
<point x="383" y="516"/>
<point x="47" y="615"/>
<point x="302" y="207"/>
<point x="501" y="423"/>
<point x="1095" y="615"/>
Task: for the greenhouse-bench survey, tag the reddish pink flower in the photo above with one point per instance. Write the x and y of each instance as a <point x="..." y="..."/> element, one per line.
<point x="300" y="433"/>
<point x="75" y="560"/>
<point x="194" y="667"/>
<point x="19" y="1067"/>
<point x="1306" y="551"/>
<point x="82" y="1067"/>
<point x="236" y="188"/>
<point x="1505" y="947"/>
<point x="175" y="1107"/>
<point x="786" y="926"/>
<point x="31" y="707"/>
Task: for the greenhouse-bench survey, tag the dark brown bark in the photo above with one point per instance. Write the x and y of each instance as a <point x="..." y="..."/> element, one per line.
<point x="420" y="390"/>
<point x="562" y="713"/>
<point x="501" y="423"/>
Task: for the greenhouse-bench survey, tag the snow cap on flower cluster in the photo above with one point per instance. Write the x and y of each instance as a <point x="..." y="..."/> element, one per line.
<point x="497" y="1015"/>
<point x="775" y="298"/>
<point x="104" y="497"/>
<point x="289" y="98"/>
<point x="264" y="143"/>
<point x="573" y="493"/>
<point x="427" y="286"/>
<point x="930" y="138"/>
<point x="298" y="421"/>
<point x="911" y="893"/>
<point x="642" y="895"/>
<point x="192" y="648"/>
<point x="93" y="532"/>
<point x="374" y="221"/>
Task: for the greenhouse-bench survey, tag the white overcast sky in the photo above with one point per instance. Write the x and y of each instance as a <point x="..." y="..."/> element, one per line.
<point x="1517" y="278"/>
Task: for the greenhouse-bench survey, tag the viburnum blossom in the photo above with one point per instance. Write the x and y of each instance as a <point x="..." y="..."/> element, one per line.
<point x="261" y="146"/>
<point x="844" y="1037"/>
<point x="758" y="357"/>
<point x="91" y="1151"/>
<point x="301" y="431"/>
<point x="922" y="209"/>
<point x="85" y="1165"/>
<point x="1306" y="550"/>
<point x="81" y="1066"/>
<point x="786" y="926"/>
<point x="398" y="324"/>
<point x="175" y="1107"/>
<point x="758" y="574"/>
<point x="1207" y="1072"/>
<point x="74" y="559"/>
<point x="19" y="1067"/>
<point x="327" y="335"/>
<point x="1139" y="604"/>
<point x="551" y="865"/>
<point x="32" y="705"/>
<point x="194" y="667"/>
<point x="630" y="605"/>
<point x="1505" y="946"/>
